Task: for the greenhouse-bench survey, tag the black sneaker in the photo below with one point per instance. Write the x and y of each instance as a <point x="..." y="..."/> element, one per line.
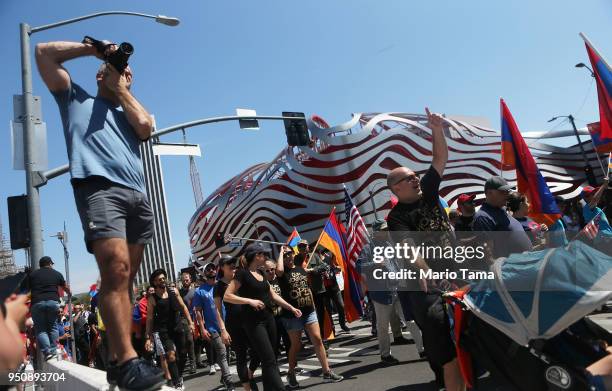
<point x="51" y="356"/>
<point x="298" y="370"/>
<point x="292" y="381"/>
<point x="345" y="328"/>
<point x="374" y="332"/>
<point x="112" y="373"/>
<point x="332" y="377"/>
<point x="137" y="375"/>
<point x="389" y="360"/>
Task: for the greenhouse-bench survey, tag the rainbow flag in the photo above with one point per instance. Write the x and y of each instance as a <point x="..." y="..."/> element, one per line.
<point x="331" y="239"/>
<point x="293" y="239"/>
<point x="515" y="155"/>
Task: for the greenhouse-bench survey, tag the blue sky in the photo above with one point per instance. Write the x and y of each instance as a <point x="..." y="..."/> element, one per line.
<point x="331" y="57"/>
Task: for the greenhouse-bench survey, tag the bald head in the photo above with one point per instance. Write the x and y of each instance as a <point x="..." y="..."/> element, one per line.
<point x="405" y="184"/>
<point x="396" y="175"/>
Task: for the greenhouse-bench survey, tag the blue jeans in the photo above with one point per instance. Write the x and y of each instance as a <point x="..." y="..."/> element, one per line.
<point x="44" y="316"/>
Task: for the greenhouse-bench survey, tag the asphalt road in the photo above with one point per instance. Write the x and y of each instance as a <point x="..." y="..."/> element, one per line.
<point x="356" y="357"/>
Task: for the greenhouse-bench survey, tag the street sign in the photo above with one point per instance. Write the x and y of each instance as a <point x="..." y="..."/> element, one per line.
<point x="247" y="124"/>
<point x="40" y="158"/>
<point x="235" y="244"/>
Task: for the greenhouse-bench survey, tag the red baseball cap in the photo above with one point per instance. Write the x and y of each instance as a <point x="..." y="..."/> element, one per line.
<point x="463" y="198"/>
<point x="588" y="190"/>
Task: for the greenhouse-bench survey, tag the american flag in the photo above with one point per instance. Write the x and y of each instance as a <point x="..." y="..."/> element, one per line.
<point x="592" y="228"/>
<point x="357" y="233"/>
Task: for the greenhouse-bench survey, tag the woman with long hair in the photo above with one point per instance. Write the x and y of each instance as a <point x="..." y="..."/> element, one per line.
<point x="233" y="334"/>
<point x="251" y="289"/>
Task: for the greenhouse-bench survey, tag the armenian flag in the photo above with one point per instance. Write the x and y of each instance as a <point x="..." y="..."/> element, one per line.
<point x="515" y="155"/>
<point x="293" y="240"/>
<point x="331" y="239"/>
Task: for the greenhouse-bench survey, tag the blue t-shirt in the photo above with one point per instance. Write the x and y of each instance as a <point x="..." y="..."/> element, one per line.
<point x="204" y="299"/>
<point x="492" y="219"/>
<point x="99" y="139"/>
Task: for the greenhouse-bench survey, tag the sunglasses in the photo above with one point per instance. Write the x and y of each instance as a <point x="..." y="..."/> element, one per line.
<point x="409" y="178"/>
<point x="269" y="270"/>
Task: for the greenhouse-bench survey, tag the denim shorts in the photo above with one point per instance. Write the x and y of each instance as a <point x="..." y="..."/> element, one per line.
<point x="110" y="210"/>
<point x="295" y="324"/>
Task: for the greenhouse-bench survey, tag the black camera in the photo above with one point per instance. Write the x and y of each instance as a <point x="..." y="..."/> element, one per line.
<point x="119" y="58"/>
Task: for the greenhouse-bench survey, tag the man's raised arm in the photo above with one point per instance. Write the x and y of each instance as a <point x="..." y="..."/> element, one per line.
<point x="439" y="148"/>
<point x="51" y="55"/>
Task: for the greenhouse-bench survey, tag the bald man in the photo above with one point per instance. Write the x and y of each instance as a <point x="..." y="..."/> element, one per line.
<point x="418" y="210"/>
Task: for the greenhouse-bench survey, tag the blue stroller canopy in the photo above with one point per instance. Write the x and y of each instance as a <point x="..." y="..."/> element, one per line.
<point x="536" y="295"/>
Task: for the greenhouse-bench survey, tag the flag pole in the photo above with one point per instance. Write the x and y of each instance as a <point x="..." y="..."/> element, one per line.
<point x="318" y="240"/>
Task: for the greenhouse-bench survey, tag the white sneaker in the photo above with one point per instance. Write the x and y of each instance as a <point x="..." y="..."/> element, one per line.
<point x="212" y="370"/>
<point x="217" y="367"/>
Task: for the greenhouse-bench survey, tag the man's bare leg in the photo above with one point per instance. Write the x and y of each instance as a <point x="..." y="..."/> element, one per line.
<point x="113" y="260"/>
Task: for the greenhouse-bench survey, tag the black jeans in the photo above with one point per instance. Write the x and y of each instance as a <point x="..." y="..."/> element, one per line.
<point x="185" y="346"/>
<point x="281" y="333"/>
<point x="335" y="297"/>
<point x="262" y="337"/>
<point x="240" y="346"/>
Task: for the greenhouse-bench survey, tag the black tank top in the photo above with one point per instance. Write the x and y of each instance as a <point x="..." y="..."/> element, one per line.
<point x="167" y="312"/>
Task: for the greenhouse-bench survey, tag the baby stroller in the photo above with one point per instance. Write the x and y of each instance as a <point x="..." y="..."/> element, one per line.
<point x="528" y="325"/>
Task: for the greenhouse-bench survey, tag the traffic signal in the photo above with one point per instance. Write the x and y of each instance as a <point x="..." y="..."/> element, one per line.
<point x="18" y="222"/>
<point x="220" y="239"/>
<point x="296" y="129"/>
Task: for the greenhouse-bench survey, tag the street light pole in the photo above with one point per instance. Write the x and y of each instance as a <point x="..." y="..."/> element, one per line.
<point x="63" y="238"/>
<point x="588" y="170"/>
<point x="33" y="197"/>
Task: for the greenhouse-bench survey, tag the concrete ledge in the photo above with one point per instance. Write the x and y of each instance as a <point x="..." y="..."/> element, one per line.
<point x="77" y="377"/>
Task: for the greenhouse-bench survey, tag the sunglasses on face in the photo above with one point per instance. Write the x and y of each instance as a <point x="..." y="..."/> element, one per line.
<point x="408" y="178"/>
<point x="269" y="270"/>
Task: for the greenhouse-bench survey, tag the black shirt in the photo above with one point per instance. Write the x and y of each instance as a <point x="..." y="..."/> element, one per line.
<point x="424" y="215"/>
<point x="166" y="312"/>
<point x="492" y="219"/>
<point x="232" y="311"/>
<point x="276" y="309"/>
<point x="44" y="284"/>
<point x="252" y="288"/>
<point x="295" y="291"/>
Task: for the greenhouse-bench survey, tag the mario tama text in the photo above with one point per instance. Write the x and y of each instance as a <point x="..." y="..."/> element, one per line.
<point x="430" y="274"/>
<point x="405" y="252"/>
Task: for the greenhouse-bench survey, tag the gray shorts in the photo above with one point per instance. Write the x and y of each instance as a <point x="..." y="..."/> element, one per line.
<point x="110" y="210"/>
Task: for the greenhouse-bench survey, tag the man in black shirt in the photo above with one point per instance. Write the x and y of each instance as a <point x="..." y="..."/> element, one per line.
<point x="163" y="325"/>
<point x="44" y="284"/>
<point x="418" y="209"/>
<point x="186" y="346"/>
<point x="492" y="217"/>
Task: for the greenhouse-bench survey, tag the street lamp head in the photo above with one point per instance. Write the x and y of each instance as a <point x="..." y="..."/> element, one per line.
<point x="580" y="65"/>
<point x="167" y="20"/>
<point x="552" y="119"/>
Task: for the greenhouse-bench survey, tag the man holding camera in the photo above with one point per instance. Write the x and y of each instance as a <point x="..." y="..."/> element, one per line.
<point x="103" y="134"/>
